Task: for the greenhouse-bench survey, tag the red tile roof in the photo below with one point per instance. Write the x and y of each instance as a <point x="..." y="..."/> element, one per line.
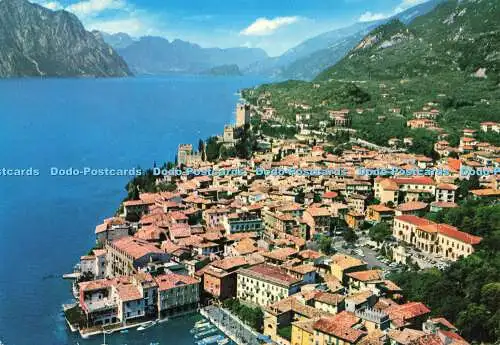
<point x="172" y="280"/>
<point x="452" y="232"/>
<point x="135" y="247"/>
<point x="401" y="313"/>
<point x="270" y="273"/>
<point x="340" y="326"/>
<point x="366" y="276"/>
<point x="414" y="220"/>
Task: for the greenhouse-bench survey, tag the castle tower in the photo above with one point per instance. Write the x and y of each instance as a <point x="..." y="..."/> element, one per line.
<point x="242" y="115"/>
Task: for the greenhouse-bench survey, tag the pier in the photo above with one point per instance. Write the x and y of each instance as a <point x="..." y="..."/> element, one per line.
<point x="231" y="326"/>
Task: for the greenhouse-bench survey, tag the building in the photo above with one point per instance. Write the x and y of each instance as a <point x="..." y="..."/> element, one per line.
<point x="242" y="115"/>
<point x="412" y="207"/>
<point x="214" y="216"/>
<point x="186" y="155"/>
<point x="177" y="294"/>
<point x="265" y="284"/>
<point x="94" y="264"/>
<point x="318" y="218"/>
<point x="363" y="280"/>
<point x="342" y="264"/>
<point x="411" y="315"/>
<point x="445" y="192"/>
<point x="379" y="213"/>
<point x="118" y="300"/>
<point x="420" y="123"/>
<point x="111" y="229"/>
<point x="339" y="330"/>
<point x="433" y="238"/>
<point x="229" y="136"/>
<point x="356" y="202"/>
<point x="281" y="314"/>
<point x="242" y="222"/>
<point x="128" y="255"/>
<point x="403" y="189"/>
<point x="220" y="278"/>
<point x="329" y="302"/>
<point x="490" y="127"/>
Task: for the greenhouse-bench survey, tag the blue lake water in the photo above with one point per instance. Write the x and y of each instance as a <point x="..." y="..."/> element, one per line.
<point x="47" y="222"/>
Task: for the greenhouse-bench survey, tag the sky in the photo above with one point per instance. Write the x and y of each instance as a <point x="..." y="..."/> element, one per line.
<point x="273" y="25"/>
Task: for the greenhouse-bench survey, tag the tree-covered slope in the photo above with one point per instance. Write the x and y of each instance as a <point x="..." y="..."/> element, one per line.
<point x="456" y="37"/>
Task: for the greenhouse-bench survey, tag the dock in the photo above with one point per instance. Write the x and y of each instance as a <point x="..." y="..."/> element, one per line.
<point x="231" y="326"/>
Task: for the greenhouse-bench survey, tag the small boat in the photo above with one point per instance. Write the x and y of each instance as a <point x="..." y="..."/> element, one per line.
<point x="154" y="343"/>
<point x="202" y="329"/>
<point x="224" y="341"/>
<point x="210" y="340"/>
<point x="202" y="321"/>
<point x="124" y="331"/>
<point x="200" y="326"/>
<point x="146" y="325"/>
<point x="205" y="333"/>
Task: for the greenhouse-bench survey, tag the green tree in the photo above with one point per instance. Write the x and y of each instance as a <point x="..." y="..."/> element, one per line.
<point x="380" y="232"/>
<point x="325" y="245"/>
<point x="212" y="149"/>
<point x="350" y="236"/>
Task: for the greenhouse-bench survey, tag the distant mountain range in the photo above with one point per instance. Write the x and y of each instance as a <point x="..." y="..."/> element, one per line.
<point x="458" y="36"/>
<point x="35" y="41"/>
<point x="314" y="55"/>
<point x="157" y="55"/>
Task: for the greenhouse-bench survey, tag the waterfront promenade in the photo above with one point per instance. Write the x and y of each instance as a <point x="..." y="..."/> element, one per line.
<point x="231" y="326"/>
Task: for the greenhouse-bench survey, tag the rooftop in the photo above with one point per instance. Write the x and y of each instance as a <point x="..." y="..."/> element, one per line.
<point x="270" y="273"/>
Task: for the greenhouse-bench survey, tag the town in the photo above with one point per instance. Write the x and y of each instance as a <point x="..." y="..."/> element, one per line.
<point x="295" y="259"/>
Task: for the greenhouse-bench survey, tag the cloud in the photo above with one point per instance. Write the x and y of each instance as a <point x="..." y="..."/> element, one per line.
<point x="132" y="26"/>
<point x="406" y="4"/>
<point x="51" y="5"/>
<point x="94" y="7"/>
<point x="369" y="16"/>
<point x="403" y="6"/>
<point x="263" y="26"/>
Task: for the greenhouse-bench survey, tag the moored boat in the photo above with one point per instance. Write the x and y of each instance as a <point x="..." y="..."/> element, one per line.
<point x="205" y="333"/>
<point x="146" y="325"/>
<point x="224" y="341"/>
<point x="210" y="340"/>
<point x="201" y="327"/>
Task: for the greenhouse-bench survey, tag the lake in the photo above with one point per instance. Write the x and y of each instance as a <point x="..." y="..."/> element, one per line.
<point x="47" y="222"/>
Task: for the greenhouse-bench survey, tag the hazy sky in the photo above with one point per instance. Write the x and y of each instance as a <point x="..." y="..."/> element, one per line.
<point x="274" y="25"/>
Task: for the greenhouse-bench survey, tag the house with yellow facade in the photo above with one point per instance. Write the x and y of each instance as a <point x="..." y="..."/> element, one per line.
<point x="341" y="265"/>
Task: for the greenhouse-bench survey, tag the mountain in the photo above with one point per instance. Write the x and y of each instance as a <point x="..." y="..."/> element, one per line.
<point x="157" y="55"/>
<point x="457" y="37"/>
<point x="224" y="70"/>
<point x="289" y="64"/>
<point x="314" y="55"/>
<point x="117" y="41"/>
<point x="35" y="41"/>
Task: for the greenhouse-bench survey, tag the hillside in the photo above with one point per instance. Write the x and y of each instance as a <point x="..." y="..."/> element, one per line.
<point x="35" y="41"/>
<point x="457" y="37"/>
<point x="223" y="70"/>
<point x="309" y="58"/>
<point x="157" y="55"/>
<point x="397" y="67"/>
